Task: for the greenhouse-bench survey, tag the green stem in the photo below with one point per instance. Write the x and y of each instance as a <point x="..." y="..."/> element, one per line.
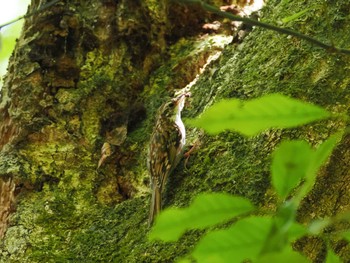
<point x="253" y="22"/>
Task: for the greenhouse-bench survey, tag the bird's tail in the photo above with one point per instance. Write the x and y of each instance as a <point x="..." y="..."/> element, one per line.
<point x="156" y="205"/>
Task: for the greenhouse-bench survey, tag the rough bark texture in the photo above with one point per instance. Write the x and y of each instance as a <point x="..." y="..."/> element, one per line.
<point x="88" y="72"/>
<point x="7" y="194"/>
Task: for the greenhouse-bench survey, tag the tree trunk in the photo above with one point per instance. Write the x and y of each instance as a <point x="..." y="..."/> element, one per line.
<point x="91" y="74"/>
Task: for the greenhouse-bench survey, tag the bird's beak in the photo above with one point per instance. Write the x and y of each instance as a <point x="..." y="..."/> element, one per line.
<point x="181" y="98"/>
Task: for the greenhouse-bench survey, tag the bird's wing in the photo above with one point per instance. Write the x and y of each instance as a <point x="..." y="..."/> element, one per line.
<point x="163" y="153"/>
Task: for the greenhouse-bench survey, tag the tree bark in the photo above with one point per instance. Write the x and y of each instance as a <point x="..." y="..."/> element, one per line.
<point x="85" y="73"/>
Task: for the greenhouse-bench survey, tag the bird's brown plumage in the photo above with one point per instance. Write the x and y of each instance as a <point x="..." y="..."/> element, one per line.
<point x="165" y="150"/>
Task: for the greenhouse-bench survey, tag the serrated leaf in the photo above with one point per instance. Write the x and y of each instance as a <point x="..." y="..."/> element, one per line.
<point x="206" y="210"/>
<point x="289" y="165"/>
<point x="243" y="240"/>
<point x="253" y="116"/>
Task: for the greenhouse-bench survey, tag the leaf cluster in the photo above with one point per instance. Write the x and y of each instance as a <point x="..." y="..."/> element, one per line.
<point x="255" y="236"/>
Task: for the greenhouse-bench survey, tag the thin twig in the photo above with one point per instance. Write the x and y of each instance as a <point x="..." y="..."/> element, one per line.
<point x="253" y="22"/>
<point x="30" y="14"/>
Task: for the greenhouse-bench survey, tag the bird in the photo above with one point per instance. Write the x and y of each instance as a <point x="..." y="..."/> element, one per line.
<point x="165" y="150"/>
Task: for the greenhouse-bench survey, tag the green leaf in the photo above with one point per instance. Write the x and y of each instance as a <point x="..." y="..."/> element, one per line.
<point x="295" y="16"/>
<point x="285" y="256"/>
<point x="346" y="235"/>
<point x="254" y="116"/>
<point x="322" y="154"/>
<point x="284" y="229"/>
<point x="243" y="240"/>
<point x="206" y="210"/>
<point x="317" y="226"/>
<point x="169" y="225"/>
<point x="184" y="260"/>
<point x="280" y="237"/>
<point x="296" y="231"/>
<point x="289" y="165"/>
<point x="332" y="257"/>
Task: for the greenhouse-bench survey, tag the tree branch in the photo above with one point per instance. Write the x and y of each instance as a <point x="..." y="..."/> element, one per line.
<point x="252" y="22"/>
<point x="30" y="14"/>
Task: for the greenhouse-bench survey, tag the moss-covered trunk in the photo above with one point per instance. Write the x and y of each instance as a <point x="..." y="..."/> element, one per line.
<point x="89" y="72"/>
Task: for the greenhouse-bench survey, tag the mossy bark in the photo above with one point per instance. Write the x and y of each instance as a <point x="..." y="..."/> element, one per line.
<point x="88" y="72"/>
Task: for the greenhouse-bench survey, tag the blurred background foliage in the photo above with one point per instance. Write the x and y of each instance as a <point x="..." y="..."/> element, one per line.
<point x="10" y="10"/>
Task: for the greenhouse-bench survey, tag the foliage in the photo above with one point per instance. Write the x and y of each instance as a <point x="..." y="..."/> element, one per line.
<point x="203" y="213"/>
<point x="254" y="22"/>
<point x="254" y="116"/>
<point x="263" y="238"/>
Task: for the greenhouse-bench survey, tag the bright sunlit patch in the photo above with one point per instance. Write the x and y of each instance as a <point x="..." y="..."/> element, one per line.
<point x="257" y="5"/>
<point x="11" y="10"/>
<point x="8" y="12"/>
